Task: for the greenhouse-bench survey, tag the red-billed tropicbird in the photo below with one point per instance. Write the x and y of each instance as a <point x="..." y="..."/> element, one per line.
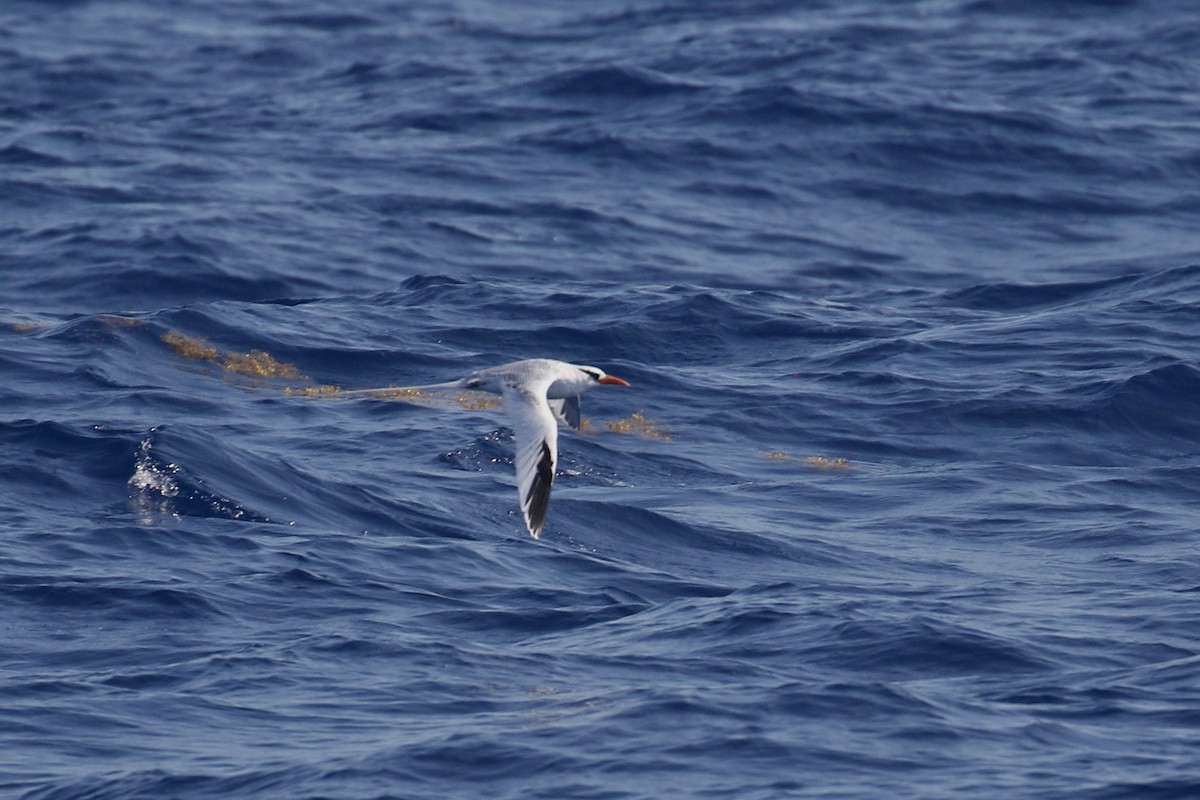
<point x="535" y="393"/>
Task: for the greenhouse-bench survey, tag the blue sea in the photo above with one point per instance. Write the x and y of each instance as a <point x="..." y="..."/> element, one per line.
<point x="903" y="500"/>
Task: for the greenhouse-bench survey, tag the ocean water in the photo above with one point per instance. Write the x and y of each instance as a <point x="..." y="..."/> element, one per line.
<point x="903" y="501"/>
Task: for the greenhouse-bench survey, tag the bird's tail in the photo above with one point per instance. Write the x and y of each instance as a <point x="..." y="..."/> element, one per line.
<point x="398" y="392"/>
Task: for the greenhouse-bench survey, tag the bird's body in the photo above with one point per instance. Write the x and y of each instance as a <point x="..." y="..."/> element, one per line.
<point x="537" y="394"/>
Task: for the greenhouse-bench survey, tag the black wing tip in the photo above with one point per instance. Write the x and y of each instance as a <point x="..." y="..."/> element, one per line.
<point x="538" y="498"/>
<point x="571" y="411"/>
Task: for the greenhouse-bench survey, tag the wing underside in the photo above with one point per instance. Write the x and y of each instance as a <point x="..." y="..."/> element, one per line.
<point x="536" y="433"/>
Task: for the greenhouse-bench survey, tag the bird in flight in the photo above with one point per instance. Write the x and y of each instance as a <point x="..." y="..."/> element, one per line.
<point x="537" y="394"/>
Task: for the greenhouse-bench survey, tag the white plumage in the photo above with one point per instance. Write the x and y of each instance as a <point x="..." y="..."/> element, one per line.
<point x="537" y="394"/>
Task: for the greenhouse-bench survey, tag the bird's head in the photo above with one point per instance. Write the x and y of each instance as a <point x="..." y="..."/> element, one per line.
<point x="597" y="375"/>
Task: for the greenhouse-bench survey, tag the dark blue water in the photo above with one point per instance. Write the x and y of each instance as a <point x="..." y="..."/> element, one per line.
<point x="904" y="501"/>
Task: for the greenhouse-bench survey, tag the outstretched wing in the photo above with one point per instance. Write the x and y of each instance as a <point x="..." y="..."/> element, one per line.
<point x="566" y="410"/>
<point x="537" y="450"/>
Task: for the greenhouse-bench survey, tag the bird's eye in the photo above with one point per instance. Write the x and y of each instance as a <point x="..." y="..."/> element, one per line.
<point x="592" y="374"/>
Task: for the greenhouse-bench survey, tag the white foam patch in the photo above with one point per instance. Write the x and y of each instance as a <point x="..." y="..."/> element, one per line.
<point x="154" y="486"/>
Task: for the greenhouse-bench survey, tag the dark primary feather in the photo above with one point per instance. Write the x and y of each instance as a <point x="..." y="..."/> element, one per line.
<point x="539" y="491"/>
<point x="567" y="410"/>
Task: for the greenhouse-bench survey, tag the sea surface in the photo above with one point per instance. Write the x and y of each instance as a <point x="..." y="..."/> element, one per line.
<point x="903" y="501"/>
